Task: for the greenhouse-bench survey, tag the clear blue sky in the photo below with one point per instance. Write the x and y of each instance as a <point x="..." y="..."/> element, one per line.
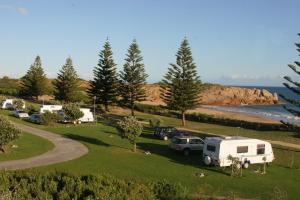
<point x="245" y="42"/>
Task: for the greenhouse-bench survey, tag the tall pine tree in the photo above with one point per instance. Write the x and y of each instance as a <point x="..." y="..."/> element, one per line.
<point x="133" y="77"/>
<point x="294" y="87"/>
<point x="105" y="82"/>
<point x="34" y="83"/>
<point x="66" y="85"/>
<point x="180" y="86"/>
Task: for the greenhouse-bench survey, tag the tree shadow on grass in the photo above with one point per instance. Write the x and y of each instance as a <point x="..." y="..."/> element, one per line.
<point x="85" y="139"/>
<point x="195" y="159"/>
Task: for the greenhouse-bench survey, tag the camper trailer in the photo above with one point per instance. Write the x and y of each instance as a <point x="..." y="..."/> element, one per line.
<point x="50" y="108"/>
<point x="87" y="115"/>
<point x="9" y="104"/>
<point x="216" y="151"/>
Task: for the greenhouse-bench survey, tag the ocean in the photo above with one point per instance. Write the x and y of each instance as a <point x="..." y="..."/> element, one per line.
<point x="274" y="112"/>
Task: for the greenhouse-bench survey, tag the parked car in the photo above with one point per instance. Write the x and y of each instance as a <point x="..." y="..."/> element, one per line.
<point x="21" y="114"/>
<point x="186" y="144"/>
<point x="167" y="132"/>
<point x="216" y="151"/>
<point x="35" y="118"/>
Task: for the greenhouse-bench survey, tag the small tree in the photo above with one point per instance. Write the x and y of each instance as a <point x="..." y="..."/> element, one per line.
<point x="8" y="132"/>
<point x="133" y="78"/>
<point x="130" y="128"/>
<point x="236" y="168"/>
<point x="181" y="84"/>
<point x="34" y="83"/>
<point x="18" y="104"/>
<point x="72" y="112"/>
<point x="49" y="118"/>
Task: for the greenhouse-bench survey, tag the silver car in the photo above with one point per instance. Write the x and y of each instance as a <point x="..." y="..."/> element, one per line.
<point x="21" y="114"/>
<point x="186" y="144"/>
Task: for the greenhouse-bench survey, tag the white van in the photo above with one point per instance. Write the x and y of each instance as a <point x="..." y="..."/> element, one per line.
<point x="249" y="151"/>
<point x="50" y="108"/>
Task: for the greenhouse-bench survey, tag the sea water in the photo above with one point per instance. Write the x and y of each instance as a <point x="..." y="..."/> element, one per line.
<point x="275" y="112"/>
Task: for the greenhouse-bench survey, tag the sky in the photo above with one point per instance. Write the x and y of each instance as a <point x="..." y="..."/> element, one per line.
<point x="234" y="42"/>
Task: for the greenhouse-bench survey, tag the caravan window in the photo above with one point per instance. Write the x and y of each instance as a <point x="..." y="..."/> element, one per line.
<point x="242" y="149"/>
<point x="210" y="148"/>
<point x="260" y="149"/>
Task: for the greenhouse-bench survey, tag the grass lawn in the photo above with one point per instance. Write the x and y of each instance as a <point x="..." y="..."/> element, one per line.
<point x="28" y="145"/>
<point x="109" y="154"/>
<point x="112" y="155"/>
<point x="285" y="136"/>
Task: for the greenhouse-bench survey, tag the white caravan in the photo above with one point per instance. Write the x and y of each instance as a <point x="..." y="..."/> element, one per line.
<point x="9" y="103"/>
<point x="216" y="151"/>
<point x="87" y="115"/>
<point x="50" y="108"/>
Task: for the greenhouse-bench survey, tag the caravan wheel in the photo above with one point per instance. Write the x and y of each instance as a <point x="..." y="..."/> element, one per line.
<point x="207" y="160"/>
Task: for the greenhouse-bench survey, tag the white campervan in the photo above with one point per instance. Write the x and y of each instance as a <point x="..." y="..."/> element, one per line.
<point x="87" y="115"/>
<point x="50" y="108"/>
<point x="249" y="151"/>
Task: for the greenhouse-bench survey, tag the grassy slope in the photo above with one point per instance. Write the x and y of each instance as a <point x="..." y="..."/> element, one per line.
<point x="28" y="145"/>
<point x="111" y="154"/>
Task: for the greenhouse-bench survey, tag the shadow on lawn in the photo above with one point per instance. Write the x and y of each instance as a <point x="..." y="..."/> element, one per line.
<point x="87" y="139"/>
<point x="195" y="159"/>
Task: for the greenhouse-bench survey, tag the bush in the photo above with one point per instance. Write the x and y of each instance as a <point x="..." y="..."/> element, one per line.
<point x="130" y="128"/>
<point x="8" y="132"/>
<point x="154" y="123"/>
<point x="49" y="118"/>
<point x="18" y="104"/>
<point x="72" y="112"/>
<point x="31" y="109"/>
<point x="55" y="185"/>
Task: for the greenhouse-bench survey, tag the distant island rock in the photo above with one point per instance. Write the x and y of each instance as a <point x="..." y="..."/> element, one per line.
<point x="220" y="95"/>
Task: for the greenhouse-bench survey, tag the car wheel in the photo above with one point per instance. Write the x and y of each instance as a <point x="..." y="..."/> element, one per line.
<point x="186" y="152"/>
<point x="165" y="138"/>
<point x="246" y="165"/>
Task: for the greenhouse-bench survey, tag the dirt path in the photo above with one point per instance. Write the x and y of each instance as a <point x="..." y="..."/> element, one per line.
<point x="65" y="149"/>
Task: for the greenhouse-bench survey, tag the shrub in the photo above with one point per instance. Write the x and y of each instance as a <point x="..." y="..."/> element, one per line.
<point x="49" y="118"/>
<point x="154" y="123"/>
<point x="8" y="132"/>
<point x="31" y="109"/>
<point x="72" y="112"/>
<point x="55" y="185"/>
<point x="130" y="128"/>
<point x="18" y="104"/>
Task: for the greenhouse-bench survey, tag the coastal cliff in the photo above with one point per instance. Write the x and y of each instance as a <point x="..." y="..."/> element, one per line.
<point x="220" y="95"/>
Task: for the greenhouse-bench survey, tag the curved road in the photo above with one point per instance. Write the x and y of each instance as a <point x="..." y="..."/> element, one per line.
<point x="65" y="149"/>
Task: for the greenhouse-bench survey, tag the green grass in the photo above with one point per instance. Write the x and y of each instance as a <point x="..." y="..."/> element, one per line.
<point x="28" y="145"/>
<point x="109" y="154"/>
<point x="285" y="136"/>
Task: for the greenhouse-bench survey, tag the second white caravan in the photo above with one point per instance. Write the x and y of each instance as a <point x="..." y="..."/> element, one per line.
<point x="217" y="150"/>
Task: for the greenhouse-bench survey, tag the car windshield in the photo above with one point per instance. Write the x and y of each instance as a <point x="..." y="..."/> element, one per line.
<point x="20" y="111"/>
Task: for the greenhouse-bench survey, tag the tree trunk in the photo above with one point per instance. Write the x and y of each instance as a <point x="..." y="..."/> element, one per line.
<point x="106" y="108"/>
<point x="183" y="118"/>
<point x="132" y="109"/>
<point x="134" y="147"/>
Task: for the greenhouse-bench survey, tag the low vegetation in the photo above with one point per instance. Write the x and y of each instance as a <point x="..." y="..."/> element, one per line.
<point x="30" y="185"/>
<point x="8" y="132"/>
